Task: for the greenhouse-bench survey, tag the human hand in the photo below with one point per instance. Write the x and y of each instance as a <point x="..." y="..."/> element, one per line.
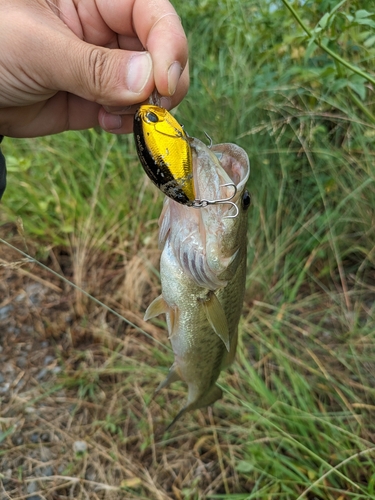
<point x="75" y="64"/>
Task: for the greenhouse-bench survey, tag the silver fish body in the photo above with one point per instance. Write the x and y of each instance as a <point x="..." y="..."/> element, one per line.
<point x="203" y="272"/>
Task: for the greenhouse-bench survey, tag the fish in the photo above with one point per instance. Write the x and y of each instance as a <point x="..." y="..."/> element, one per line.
<point x="203" y="272"/>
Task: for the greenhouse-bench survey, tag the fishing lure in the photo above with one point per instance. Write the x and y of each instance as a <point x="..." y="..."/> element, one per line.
<point x="165" y="152"/>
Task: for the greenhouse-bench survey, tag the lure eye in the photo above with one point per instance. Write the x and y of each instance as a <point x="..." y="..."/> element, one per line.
<point x="246" y="200"/>
<point x="151" y="117"/>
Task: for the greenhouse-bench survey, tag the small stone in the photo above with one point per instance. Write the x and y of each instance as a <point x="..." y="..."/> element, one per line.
<point x="45" y="437"/>
<point x="5" y="388"/>
<point x="8" y="368"/>
<point x="80" y="446"/>
<point x="43" y="372"/>
<point x="17" y="439"/>
<point x="4" y="311"/>
<point x="6" y="477"/>
<point x="32" y="487"/>
<point x="48" y="359"/>
<point x="2" y="378"/>
<point x="90" y="474"/>
<point x="47" y="471"/>
<point x="34" y="438"/>
<point x="21" y="362"/>
<point x="20" y="297"/>
<point x="45" y="454"/>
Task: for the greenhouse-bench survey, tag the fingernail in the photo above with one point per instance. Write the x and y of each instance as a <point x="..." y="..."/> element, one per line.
<point x="112" y="122"/>
<point x="166" y="102"/>
<point x="174" y="73"/>
<point x="139" y="70"/>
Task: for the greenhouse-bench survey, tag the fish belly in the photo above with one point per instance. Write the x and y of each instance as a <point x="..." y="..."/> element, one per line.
<point x="199" y="352"/>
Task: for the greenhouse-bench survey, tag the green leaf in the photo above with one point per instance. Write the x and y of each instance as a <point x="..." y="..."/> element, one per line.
<point x="369" y="42"/>
<point x="244" y="467"/>
<point x="339" y="84"/>
<point x="349" y="17"/>
<point x="360" y="14"/>
<point x="324" y="20"/>
<point x="311" y="48"/>
<point x="366" y="22"/>
<point x="359" y="88"/>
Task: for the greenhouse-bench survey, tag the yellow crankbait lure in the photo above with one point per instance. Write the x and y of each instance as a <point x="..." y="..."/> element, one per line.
<point x="165" y="152"/>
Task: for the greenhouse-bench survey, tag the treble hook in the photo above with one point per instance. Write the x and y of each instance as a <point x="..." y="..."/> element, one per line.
<point x="205" y="203"/>
<point x="209" y="138"/>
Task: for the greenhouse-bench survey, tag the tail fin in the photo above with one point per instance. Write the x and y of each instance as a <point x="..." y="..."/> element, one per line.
<point x="208" y="399"/>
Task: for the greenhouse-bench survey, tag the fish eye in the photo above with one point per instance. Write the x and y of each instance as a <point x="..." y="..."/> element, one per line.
<point x="151" y="117"/>
<point x="246" y="200"/>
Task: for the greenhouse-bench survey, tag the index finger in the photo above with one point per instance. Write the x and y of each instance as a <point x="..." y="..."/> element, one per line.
<point x="159" y="29"/>
<point x="151" y="24"/>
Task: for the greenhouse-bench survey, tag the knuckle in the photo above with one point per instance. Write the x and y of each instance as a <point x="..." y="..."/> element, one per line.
<point x="98" y="69"/>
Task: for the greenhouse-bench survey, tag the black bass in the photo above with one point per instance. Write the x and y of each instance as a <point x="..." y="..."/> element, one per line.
<point x="203" y="271"/>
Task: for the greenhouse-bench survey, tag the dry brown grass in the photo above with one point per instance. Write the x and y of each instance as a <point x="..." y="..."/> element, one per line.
<point x="81" y="374"/>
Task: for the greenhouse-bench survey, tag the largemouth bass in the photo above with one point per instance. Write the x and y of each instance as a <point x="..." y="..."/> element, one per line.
<point x="203" y="272"/>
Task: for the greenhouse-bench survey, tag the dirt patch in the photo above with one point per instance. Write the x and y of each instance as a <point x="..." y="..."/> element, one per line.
<point x="76" y="415"/>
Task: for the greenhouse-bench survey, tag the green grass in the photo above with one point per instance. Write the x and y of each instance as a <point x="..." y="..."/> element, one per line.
<point x="297" y="419"/>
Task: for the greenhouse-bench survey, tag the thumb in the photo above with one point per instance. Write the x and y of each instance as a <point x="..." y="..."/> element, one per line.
<point x="110" y="77"/>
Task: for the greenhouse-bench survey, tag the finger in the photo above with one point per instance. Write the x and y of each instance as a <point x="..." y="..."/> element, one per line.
<point x="61" y="112"/>
<point x="134" y="24"/>
<point x="165" y="102"/>
<point x="160" y="30"/>
<point x="60" y="61"/>
<point x="116" y="124"/>
<point x="119" y="120"/>
<point x="110" y="77"/>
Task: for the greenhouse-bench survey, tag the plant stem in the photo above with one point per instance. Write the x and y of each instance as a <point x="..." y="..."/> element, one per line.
<point x="326" y="49"/>
<point x="361" y="106"/>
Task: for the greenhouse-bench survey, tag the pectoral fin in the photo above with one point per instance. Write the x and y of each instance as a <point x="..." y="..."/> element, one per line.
<point x="157" y="306"/>
<point x="217" y="319"/>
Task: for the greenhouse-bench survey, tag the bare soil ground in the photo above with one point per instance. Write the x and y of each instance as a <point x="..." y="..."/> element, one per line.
<point x="75" y="387"/>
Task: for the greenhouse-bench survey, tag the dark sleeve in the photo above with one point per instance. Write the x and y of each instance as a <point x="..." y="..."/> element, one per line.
<point x="3" y="172"/>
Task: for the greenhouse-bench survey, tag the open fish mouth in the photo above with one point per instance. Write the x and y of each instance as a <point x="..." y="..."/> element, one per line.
<point x="235" y="162"/>
<point x="198" y="235"/>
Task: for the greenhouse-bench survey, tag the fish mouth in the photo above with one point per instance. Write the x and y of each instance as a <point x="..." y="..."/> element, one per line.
<point x="235" y="162"/>
<point x="196" y="235"/>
